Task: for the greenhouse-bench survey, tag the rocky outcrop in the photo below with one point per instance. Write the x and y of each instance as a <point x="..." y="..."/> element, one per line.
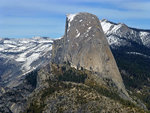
<point x="14" y="100"/>
<point x="76" y="98"/>
<point x="72" y="90"/>
<point x="84" y="45"/>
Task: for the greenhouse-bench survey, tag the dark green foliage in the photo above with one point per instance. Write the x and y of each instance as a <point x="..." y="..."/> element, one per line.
<point x="145" y="97"/>
<point x="54" y="86"/>
<point x="73" y="76"/>
<point x="81" y="99"/>
<point x="79" y="76"/>
<point x="32" y="78"/>
<point x="136" y="67"/>
<point x="63" y="68"/>
<point x="111" y="94"/>
<point x="35" y="108"/>
<point x="67" y="63"/>
<point x="82" y="68"/>
<point x="66" y="73"/>
<point x="49" y="91"/>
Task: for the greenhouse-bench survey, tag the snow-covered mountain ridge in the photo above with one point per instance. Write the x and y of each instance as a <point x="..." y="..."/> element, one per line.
<point x="20" y="56"/>
<point x="122" y="35"/>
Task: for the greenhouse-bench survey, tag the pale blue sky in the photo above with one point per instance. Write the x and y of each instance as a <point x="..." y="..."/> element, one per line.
<point x="28" y="18"/>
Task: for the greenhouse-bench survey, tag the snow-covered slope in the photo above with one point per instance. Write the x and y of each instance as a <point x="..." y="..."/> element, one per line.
<point x="122" y="35"/>
<point x="20" y="56"/>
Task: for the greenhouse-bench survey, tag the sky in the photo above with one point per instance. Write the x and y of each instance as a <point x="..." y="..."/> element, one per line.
<point x="30" y="18"/>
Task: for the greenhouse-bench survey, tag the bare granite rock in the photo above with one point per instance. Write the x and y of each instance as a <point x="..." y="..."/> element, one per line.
<point x="84" y="45"/>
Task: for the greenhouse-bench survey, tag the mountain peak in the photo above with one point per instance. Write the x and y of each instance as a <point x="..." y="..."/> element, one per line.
<point x="80" y="24"/>
<point x="70" y="17"/>
<point x="104" y="20"/>
<point x="84" y="45"/>
<point x="120" y="34"/>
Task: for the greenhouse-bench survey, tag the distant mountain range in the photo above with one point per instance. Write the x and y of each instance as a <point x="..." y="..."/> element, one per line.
<point x="21" y="56"/>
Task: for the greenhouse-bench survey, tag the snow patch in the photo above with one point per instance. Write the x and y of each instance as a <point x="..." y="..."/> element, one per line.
<point x="71" y="16"/>
<point x="143" y="34"/>
<point x="78" y="33"/>
<point x="106" y="26"/>
<point x="81" y="20"/>
<point x="112" y="40"/>
<point x="22" y="57"/>
<point x="30" y="59"/>
<point x="88" y="29"/>
<point x="140" y="54"/>
<point x="1" y="49"/>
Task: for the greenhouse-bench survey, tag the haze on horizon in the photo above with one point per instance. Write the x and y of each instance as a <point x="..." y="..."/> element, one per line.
<point x="29" y="18"/>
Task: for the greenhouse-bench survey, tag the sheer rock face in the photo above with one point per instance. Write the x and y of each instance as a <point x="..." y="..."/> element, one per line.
<point x="84" y="45"/>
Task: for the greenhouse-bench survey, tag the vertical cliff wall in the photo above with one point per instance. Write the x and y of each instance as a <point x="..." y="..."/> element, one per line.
<point x="84" y="45"/>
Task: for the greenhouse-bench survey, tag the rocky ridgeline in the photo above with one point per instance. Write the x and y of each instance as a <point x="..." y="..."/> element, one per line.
<point x="121" y="35"/>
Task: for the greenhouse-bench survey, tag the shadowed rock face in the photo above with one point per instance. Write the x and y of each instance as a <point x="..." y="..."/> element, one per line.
<point x="84" y="45"/>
